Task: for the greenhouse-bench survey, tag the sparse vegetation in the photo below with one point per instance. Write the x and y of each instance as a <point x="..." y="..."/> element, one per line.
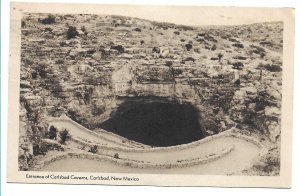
<point x="64" y="136"/>
<point x="237" y="65"/>
<point x="72" y="32"/>
<point x="50" y="19"/>
<point x="52" y="133"/>
<point x="116" y="156"/>
<point x="238" y="45"/>
<point x="188" y="46"/>
<point x="93" y="149"/>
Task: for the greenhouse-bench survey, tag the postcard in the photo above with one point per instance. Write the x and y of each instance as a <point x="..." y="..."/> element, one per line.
<point x="150" y="95"/>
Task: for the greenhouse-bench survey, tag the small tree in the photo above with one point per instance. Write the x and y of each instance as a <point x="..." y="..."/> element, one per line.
<point x="52" y="133"/>
<point x="72" y="32"/>
<point x="188" y="46"/>
<point x="93" y="149"/>
<point x="64" y="136"/>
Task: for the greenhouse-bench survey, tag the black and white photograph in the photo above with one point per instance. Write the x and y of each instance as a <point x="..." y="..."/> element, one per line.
<point x="131" y="94"/>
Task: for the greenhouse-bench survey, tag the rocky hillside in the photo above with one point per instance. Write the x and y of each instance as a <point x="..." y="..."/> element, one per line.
<point x="82" y="65"/>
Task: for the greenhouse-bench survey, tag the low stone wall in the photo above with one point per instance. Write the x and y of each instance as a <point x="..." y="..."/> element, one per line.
<point x="172" y="148"/>
<point x="133" y="163"/>
<point x="105" y="153"/>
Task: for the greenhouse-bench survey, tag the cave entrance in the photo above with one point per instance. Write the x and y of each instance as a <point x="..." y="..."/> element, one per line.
<point x="155" y="123"/>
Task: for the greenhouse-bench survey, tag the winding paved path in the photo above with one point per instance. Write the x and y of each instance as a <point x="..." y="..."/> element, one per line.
<point x="242" y="156"/>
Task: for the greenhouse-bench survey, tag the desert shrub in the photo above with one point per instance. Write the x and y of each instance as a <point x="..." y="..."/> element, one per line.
<point x="220" y="56"/>
<point x="202" y="34"/>
<point x="240" y="57"/>
<point x="72" y="32"/>
<point x="182" y="40"/>
<point x="64" y="136"/>
<point x="48" y="20"/>
<point x="83" y="29"/>
<point x="23" y="24"/>
<point x="137" y="29"/>
<point x="257" y="49"/>
<point x="190" y="59"/>
<point x="39" y="148"/>
<point x="237" y="65"/>
<point x="271" y="67"/>
<point x="119" y="48"/>
<point x="176" y="32"/>
<point x="169" y="63"/>
<point x="233" y="40"/>
<point x="42" y="70"/>
<point x="97" y="110"/>
<point x="214" y="58"/>
<point x="214" y="47"/>
<point x="59" y="61"/>
<point x="52" y="133"/>
<point x="116" y="156"/>
<point x="53" y="84"/>
<point x="48" y="29"/>
<point x="268" y="43"/>
<point x="238" y="45"/>
<point x="93" y="149"/>
<point x="156" y="49"/>
<point x="142" y="42"/>
<point x="177" y="72"/>
<point x="188" y="46"/>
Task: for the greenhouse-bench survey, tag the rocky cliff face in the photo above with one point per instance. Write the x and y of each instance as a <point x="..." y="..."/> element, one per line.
<point x="82" y="65"/>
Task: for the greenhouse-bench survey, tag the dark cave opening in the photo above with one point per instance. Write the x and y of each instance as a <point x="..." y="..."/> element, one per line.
<point x="156" y="123"/>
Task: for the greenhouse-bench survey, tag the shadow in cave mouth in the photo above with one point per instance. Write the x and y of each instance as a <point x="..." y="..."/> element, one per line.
<point x="155" y="123"/>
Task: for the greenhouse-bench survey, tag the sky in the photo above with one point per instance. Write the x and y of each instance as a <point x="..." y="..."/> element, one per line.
<point x="186" y="15"/>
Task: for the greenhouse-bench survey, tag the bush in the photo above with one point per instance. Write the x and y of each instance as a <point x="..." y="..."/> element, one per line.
<point x="72" y="32"/>
<point x="176" y="32"/>
<point x="169" y="63"/>
<point x="52" y="133"/>
<point x="49" y="20"/>
<point x="119" y="48"/>
<point x="39" y="148"/>
<point x="93" y="149"/>
<point x="64" y="136"/>
<point x="238" y="65"/>
<point x="271" y="67"/>
<point x="23" y="24"/>
<point x="214" y="47"/>
<point x="220" y="56"/>
<point x="258" y="50"/>
<point x="116" y="156"/>
<point x="83" y="29"/>
<point x="190" y="59"/>
<point x="156" y="50"/>
<point x="238" y="45"/>
<point x="240" y="57"/>
<point x="137" y="29"/>
<point x="188" y="46"/>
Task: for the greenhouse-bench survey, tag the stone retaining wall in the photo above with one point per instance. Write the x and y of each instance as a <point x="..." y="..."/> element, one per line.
<point x="132" y="163"/>
<point x="164" y="149"/>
